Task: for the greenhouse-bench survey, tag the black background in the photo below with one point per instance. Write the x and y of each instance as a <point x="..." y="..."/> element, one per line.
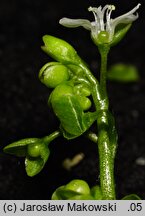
<point x="23" y="99"/>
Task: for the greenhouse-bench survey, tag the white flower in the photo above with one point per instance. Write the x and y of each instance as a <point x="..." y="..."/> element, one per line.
<point x="103" y="21"/>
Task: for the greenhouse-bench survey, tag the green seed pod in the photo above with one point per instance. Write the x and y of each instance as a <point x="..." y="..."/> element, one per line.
<point x="103" y="37"/>
<point x="79" y="186"/>
<point x="34" y="149"/>
<point x="53" y="73"/>
<point x="60" y="50"/>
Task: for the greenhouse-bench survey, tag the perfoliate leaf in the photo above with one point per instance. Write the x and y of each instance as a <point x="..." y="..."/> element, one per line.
<point x="131" y="197"/>
<point x="19" y="148"/>
<point x="123" y="73"/>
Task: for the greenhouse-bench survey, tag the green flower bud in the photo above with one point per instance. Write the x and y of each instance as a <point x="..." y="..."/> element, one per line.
<point x="85" y="91"/>
<point x="79" y="186"/>
<point x="53" y="73"/>
<point x="81" y="89"/>
<point x="84" y="102"/>
<point x="60" y="50"/>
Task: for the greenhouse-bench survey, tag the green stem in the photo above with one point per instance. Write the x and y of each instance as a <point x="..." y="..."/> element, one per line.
<point x="96" y="93"/>
<point x="106" y="146"/>
<point x="51" y="137"/>
<point x="106" y="159"/>
<point x="104" y="50"/>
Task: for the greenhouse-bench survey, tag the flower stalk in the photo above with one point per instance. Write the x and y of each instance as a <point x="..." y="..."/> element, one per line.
<point x="104" y="34"/>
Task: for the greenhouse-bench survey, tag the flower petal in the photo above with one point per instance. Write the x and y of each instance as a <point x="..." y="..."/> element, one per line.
<point x="126" y="18"/>
<point x="73" y="23"/>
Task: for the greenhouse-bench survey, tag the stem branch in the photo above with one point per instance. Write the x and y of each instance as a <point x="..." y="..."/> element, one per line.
<point x="51" y="137"/>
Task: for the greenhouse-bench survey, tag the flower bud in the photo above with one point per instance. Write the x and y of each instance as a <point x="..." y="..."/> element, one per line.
<point x="84" y="102"/>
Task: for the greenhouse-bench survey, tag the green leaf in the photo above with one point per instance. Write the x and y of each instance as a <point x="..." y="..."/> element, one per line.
<point x="53" y="73"/>
<point x="62" y="193"/>
<point x="73" y="121"/>
<point x="34" y="165"/>
<point x="120" y="32"/>
<point x="67" y="109"/>
<point x="131" y="197"/>
<point x="82" y="197"/>
<point x="96" y="192"/>
<point x="123" y="73"/>
<point x="60" y="50"/>
<point x="79" y="186"/>
<point x="75" y="190"/>
<point x="19" y="148"/>
<point x="57" y="194"/>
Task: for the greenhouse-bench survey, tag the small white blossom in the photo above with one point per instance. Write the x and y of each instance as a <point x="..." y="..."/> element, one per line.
<point x="103" y="20"/>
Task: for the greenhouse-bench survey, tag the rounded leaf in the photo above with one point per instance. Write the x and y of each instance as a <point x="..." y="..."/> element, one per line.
<point x="131" y="197"/>
<point x="67" y="108"/>
<point x="123" y="73"/>
<point x="60" y="50"/>
<point x="78" y="186"/>
<point x="53" y="73"/>
<point x="58" y="193"/>
<point x="82" y="197"/>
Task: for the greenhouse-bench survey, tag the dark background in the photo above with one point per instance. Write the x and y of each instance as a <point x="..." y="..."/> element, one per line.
<point x="23" y="99"/>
